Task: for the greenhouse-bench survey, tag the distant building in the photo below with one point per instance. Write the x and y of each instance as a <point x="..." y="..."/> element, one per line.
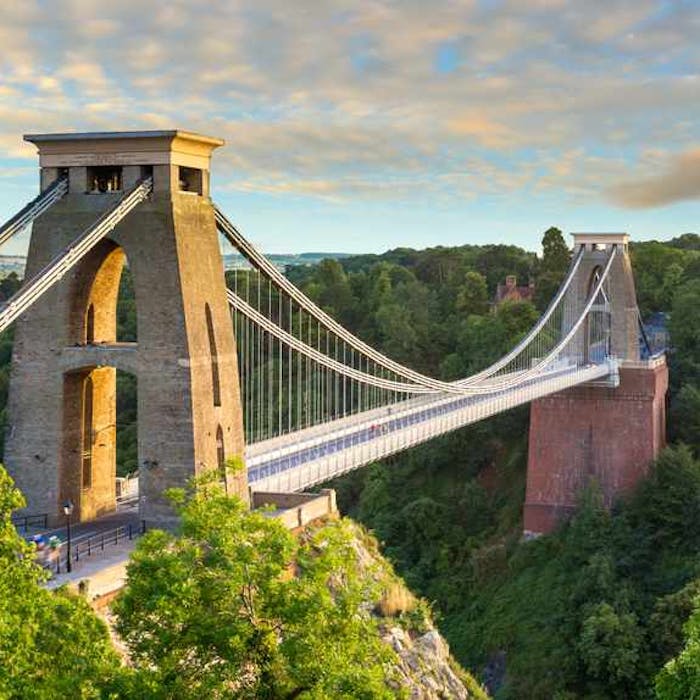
<point x="511" y="292"/>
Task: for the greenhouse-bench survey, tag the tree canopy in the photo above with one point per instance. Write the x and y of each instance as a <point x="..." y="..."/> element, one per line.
<point x="236" y="606"/>
<point x="51" y="643"/>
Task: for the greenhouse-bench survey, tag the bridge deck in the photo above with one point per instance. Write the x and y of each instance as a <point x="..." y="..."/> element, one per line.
<point x="297" y="461"/>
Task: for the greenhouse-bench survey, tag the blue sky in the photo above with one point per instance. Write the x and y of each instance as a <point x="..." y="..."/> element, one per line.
<point x="364" y="126"/>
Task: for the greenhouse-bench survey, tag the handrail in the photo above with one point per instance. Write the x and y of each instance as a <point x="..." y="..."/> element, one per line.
<point x="85" y="545"/>
<point x="30" y="519"/>
<point x="563" y="288"/>
<point x="234" y="237"/>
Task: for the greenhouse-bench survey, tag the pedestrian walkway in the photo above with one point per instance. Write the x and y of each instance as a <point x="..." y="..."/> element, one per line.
<point x="104" y="574"/>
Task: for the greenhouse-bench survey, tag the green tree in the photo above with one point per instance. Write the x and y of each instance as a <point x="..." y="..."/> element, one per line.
<point x="235" y="606"/>
<point x="333" y="291"/>
<point x="655" y="266"/>
<point x="9" y="285"/>
<point x="473" y="297"/>
<point x="680" y="677"/>
<point x="609" y="648"/>
<point x="684" y="328"/>
<point x="685" y="416"/>
<point x="51" y="643"/>
<point x="553" y="266"/>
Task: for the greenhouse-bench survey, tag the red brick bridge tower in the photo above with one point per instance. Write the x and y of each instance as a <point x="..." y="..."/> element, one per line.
<point x="607" y="432"/>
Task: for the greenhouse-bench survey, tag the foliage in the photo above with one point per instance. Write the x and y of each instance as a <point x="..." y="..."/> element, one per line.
<point x="680" y="677"/>
<point x="553" y="267"/>
<point x="235" y="606"/>
<point x="685" y="415"/>
<point x="51" y="643"/>
<point x="685" y="333"/>
<point x="658" y="270"/>
<point x="592" y="611"/>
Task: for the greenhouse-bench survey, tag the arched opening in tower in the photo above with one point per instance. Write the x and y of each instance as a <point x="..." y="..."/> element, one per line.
<point x="220" y="452"/>
<point x="127" y="385"/>
<point x="596" y="327"/>
<point x="100" y="455"/>
<point x="214" y="357"/>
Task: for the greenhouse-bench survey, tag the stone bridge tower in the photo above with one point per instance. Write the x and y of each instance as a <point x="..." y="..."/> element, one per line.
<point x="62" y="406"/>
<point x="605" y="432"/>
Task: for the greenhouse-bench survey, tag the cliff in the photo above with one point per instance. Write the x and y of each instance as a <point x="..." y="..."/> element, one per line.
<point x="424" y="668"/>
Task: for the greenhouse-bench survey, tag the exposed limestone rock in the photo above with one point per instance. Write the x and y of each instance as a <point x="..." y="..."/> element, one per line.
<point x="425" y="669"/>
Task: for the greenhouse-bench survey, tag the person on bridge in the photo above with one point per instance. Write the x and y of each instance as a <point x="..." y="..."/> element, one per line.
<point x="41" y="550"/>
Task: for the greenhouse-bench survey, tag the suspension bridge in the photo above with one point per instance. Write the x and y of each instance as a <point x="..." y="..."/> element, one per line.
<point x="256" y="369"/>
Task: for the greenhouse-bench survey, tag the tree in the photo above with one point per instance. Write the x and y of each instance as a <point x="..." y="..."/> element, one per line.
<point x="609" y="648"/>
<point x="655" y="266"/>
<point x="51" y="643"/>
<point x="553" y="267"/>
<point x="555" y="253"/>
<point x="235" y="606"/>
<point x="680" y="677"/>
<point x="334" y="292"/>
<point x="686" y="416"/>
<point x="684" y="328"/>
<point x="9" y="285"/>
<point x="473" y="297"/>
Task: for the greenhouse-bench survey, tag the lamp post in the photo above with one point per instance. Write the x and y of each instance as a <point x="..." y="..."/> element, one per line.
<point x="68" y="510"/>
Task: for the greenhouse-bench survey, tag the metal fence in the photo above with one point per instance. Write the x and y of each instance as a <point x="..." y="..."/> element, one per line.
<point x="89" y="545"/>
<point x="24" y="522"/>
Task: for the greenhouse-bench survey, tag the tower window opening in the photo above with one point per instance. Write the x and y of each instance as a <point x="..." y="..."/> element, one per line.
<point x="216" y="388"/>
<point x="220" y="453"/>
<point x="190" y="180"/>
<point x="90" y="325"/>
<point x="104" y="178"/>
<point x="86" y="466"/>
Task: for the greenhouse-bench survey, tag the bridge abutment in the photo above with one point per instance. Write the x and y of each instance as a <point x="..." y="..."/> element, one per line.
<point x="593" y="434"/>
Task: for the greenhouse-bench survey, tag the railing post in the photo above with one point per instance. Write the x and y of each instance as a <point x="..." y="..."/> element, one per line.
<point x="130" y="533"/>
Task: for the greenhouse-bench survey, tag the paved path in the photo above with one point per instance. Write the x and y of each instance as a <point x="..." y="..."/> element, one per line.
<point x="105" y="573"/>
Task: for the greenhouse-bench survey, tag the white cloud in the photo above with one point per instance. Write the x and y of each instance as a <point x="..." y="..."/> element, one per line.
<point x="334" y="100"/>
<point x="679" y="180"/>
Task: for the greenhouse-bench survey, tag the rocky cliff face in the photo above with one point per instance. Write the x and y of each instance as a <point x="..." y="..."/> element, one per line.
<point x="424" y="669"/>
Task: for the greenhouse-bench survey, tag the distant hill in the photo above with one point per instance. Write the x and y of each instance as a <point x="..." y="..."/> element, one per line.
<point x="12" y="263"/>
<point x="281" y="260"/>
<point x="16" y="263"/>
<point x="687" y="241"/>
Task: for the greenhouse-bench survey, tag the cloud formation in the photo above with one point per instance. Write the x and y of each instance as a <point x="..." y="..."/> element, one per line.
<point x="374" y="100"/>
<point x="679" y="181"/>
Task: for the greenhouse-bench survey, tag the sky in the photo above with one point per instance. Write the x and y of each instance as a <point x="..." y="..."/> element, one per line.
<point x="368" y="125"/>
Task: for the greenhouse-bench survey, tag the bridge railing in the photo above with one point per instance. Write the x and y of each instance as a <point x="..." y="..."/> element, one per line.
<point x="93" y="544"/>
<point x="24" y="522"/>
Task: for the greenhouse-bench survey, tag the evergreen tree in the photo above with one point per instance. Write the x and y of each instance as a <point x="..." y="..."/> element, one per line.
<point x="553" y="266"/>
